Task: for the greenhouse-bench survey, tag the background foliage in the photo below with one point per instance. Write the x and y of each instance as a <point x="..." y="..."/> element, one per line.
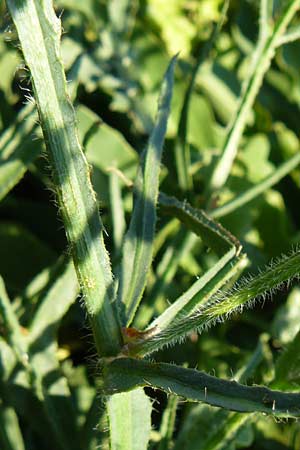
<point x="115" y="54"/>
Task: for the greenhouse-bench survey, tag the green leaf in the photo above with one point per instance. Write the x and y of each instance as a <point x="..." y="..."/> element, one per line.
<point x="168" y="424"/>
<point x="38" y="355"/>
<point x="98" y="137"/>
<point x="25" y="255"/>
<point x="124" y="374"/>
<point x="204" y="288"/>
<point x="103" y="137"/>
<point x="10" y="433"/>
<point x="218" y="429"/>
<point x="56" y="301"/>
<point x="12" y="329"/>
<point x="129" y="420"/>
<point x="177" y="250"/>
<point x="17" y="149"/>
<point x="286" y="322"/>
<point x="287" y="369"/>
<point x="222" y="304"/>
<point x="181" y="145"/>
<point x="138" y="245"/>
<point x="8" y="360"/>
<point x="230" y="263"/>
<point x="261" y="61"/>
<point x="269" y="181"/>
<point x="210" y="231"/>
<point x="117" y="209"/>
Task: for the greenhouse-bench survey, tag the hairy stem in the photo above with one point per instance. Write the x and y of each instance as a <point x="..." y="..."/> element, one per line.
<point x="221" y="305"/>
<point x="39" y="31"/>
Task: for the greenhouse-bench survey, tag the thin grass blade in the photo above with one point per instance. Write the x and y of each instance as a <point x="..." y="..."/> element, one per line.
<point x="117" y="209"/>
<point x="261" y="61"/>
<point x="182" y="154"/>
<point x="138" y="245"/>
<point x="168" y="423"/>
<point x="202" y="290"/>
<point x="252" y="193"/>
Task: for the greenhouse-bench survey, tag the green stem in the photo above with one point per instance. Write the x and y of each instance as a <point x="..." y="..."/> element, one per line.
<point x="39" y="31"/>
<point x="261" y="62"/>
<point x="124" y="374"/>
<point x="221" y="305"/>
<point x="246" y="197"/>
<point x="182" y="152"/>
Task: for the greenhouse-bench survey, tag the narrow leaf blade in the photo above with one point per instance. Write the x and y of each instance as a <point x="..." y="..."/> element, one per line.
<point x="138" y="245"/>
<point x="222" y="304"/>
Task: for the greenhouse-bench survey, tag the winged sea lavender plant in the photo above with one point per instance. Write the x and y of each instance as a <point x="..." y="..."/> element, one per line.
<point x="112" y="302"/>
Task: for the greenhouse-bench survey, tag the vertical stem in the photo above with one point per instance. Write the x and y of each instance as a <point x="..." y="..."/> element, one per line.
<point x="39" y="32"/>
<point x="261" y="62"/>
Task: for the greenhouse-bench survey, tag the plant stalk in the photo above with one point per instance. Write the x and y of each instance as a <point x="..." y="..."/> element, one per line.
<point x="39" y="32"/>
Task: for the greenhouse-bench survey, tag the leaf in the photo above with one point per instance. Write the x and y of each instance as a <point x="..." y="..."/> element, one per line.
<point x="286" y="322"/>
<point x="124" y="374"/>
<point x="117" y="209"/>
<point x="243" y="198"/>
<point x="287" y="368"/>
<point x="17" y="149"/>
<point x="11" y="326"/>
<point x="168" y="423"/>
<point x="56" y="301"/>
<point x="138" y="244"/>
<point x="25" y="255"/>
<point x="221" y="305"/>
<point x="129" y="420"/>
<point x="218" y="429"/>
<point x="261" y="61"/>
<point x="201" y="290"/>
<point x="181" y="146"/>
<point x="98" y="137"/>
<point x="211" y="232"/>
<point x="178" y="249"/>
<point x="10" y="433"/>
<point x="230" y="263"/>
<point x="8" y="360"/>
